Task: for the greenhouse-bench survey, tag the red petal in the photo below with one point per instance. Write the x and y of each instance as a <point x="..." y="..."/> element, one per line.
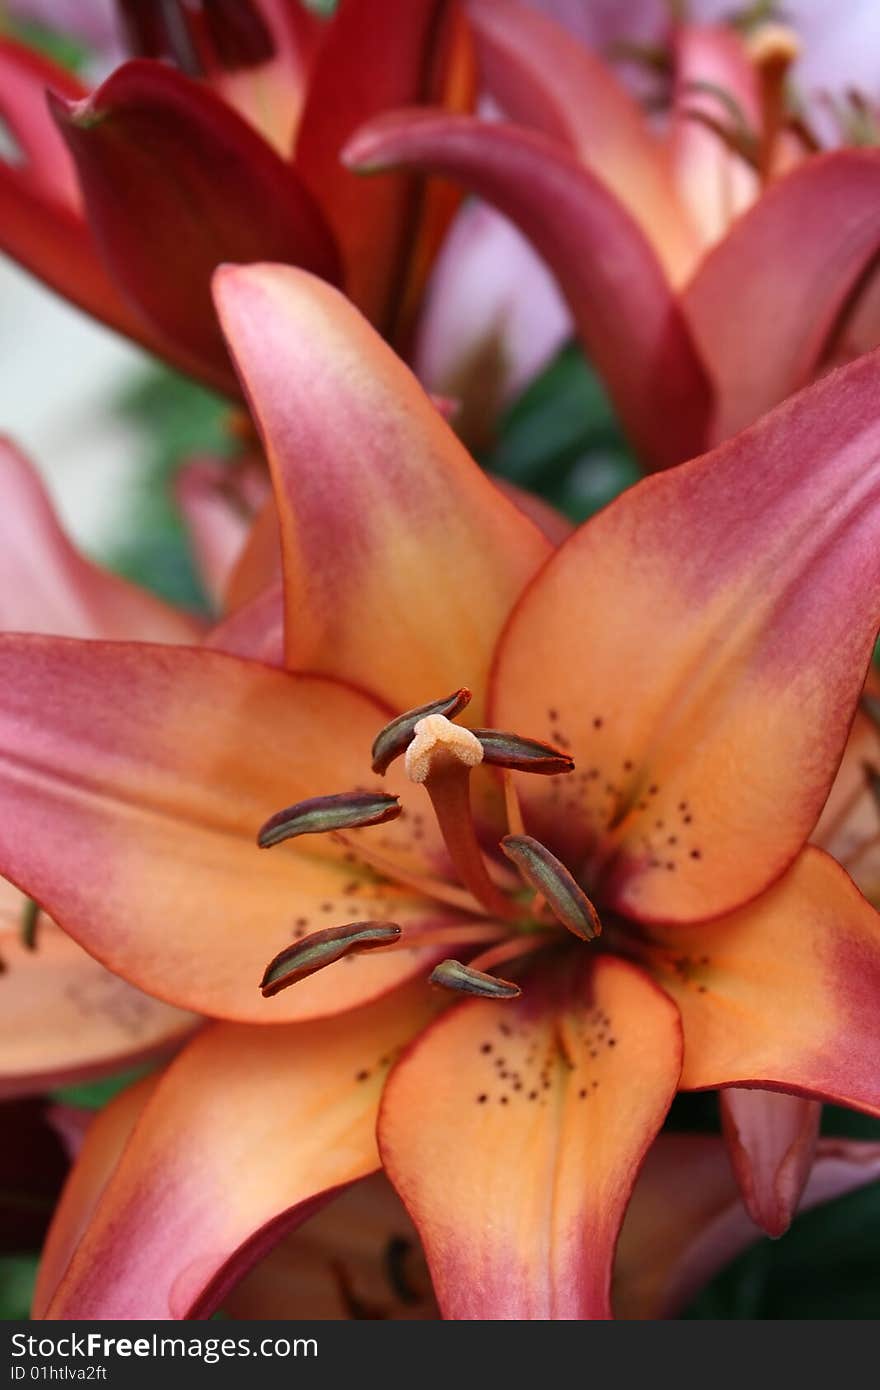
<point x="174" y="183"/>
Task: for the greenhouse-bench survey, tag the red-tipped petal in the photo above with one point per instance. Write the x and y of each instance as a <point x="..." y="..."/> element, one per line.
<point x="133" y="781"/>
<point x="247" y="1133"/>
<point x="783" y="993"/>
<point x="175" y="183"/>
<point x="765" y="303"/>
<point x="47" y="586"/>
<point x="401" y="560"/>
<point x="624" y="307"/>
<point x="771" y="1140"/>
<point x="503" y="1130"/>
<point x="701" y="645"/>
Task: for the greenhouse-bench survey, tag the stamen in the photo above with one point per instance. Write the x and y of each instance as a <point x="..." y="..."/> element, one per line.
<point x="30" y="914"/>
<point x="463" y="979"/>
<point x="395" y="738"/>
<point x="512" y="808"/>
<point x="320" y="814"/>
<point x="322" y="948"/>
<point x="441" y="756"/>
<point x="545" y="873"/>
<point x="522" y="754"/>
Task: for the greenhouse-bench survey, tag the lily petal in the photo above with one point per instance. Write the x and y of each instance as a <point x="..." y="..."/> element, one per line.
<point x="255" y="630"/>
<point x="401" y="560"/>
<point x="174" y="183"/>
<point x="782" y="993"/>
<point x="771" y="1139"/>
<point x="679" y="1233"/>
<point x="365" y="67"/>
<point x="781" y="279"/>
<point x="63" y="1017"/>
<point x="723" y="617"/>
<point x="41" y="220"/>
<point x="506" y="1139"/>
<point x="623" y="305"/>
<point x="196" y="1199"/>
<point x="47" y="586"/>
<point x="100" y="1151"/>
<point x="152" y="776"/>
<point x="541" y="78"/>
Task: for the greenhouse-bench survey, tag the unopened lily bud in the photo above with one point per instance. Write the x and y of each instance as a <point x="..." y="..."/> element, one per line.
<point x="451" y="974"/>
<point x="544" y="872"/>
<point x="322" y="948"/>
<point x="522" y="754"/>
<point x="319" y="814"/>
<point x="396" y="737"/>
<point x="437" y="743"/>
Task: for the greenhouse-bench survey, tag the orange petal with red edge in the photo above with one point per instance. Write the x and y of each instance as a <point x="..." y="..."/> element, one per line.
<point x="247" y="1132"/>
<point x="502" y="1129"/>
<point x="131" y="805"/>
<point x="63" y="1017"/>
<point x="699" y="648"/>
<point x="401" y="560"/>
<point x="782" y="993"/>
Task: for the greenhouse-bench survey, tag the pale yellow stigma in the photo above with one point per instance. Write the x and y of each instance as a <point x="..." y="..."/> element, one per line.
<point x="774" y="47"/>
<point x="436" y="741"/>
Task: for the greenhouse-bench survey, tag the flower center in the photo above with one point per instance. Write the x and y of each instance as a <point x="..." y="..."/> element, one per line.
<point x="440" y="756"/>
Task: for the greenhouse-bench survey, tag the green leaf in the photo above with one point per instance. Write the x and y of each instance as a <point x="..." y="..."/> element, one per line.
<point x="17" y="1275"/>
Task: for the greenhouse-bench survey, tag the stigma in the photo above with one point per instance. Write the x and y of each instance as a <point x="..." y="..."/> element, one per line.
<point x="438" y="743"/>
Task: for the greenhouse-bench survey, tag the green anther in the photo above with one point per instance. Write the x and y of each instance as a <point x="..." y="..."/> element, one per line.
<point x="544" y="872"/>
<point x="395" y="738"/>
<point x="322" y="948"/>
<point x="322" y="813"/>
<point x="30" y="914"/>
<point x="451" y="974"/>
<point x="871" y="707"/>
<point x="522" y="754"/>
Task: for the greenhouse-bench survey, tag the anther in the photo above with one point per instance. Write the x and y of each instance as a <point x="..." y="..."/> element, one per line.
<point x="451" y="974"/>
<point x="544" y="872"/>
<point x="323" y="813"/>
<point x="30" y="914"/>
<point x="322" y="948"/>
<point x="522" y="754"/>
<point x="441" y="756"/>
<point x="438" y="743"/>
<point x="395" y="738"/>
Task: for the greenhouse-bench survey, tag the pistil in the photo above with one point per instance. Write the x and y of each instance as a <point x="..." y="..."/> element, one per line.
<point x="440" y="757"/>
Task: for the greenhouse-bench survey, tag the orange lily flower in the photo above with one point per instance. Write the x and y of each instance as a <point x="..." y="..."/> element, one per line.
<point x="713" y="266"/>
<point x="64" y="1018"/>
<point x="698" y="649"/>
